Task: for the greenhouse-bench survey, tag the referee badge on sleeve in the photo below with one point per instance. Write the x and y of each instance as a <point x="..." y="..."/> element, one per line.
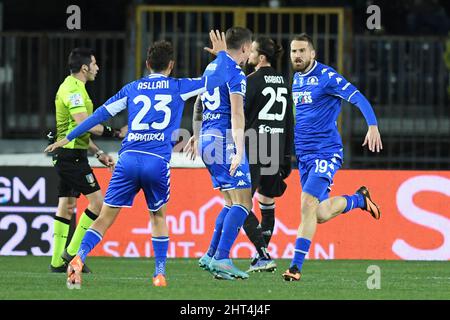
<point x="76" y="100"/>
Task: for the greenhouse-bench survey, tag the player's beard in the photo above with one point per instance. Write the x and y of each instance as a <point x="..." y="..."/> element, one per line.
<point x="302" y="67"/>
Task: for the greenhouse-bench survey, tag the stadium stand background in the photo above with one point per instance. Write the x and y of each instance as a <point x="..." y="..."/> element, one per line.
<point x="401" y="68"/>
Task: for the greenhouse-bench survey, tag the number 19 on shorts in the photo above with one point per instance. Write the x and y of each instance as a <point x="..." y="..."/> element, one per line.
<point x="321" y="166"/>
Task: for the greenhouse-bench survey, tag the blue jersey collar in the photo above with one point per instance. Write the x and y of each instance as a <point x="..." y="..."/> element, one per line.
<point x="312" y="69"/>
<point x="156" y="75"/>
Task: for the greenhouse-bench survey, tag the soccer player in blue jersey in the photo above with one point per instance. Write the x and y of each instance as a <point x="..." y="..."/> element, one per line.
<point x="155" y="106"/>
<point x="220" y="114"/>
<point x="317" y="90"/>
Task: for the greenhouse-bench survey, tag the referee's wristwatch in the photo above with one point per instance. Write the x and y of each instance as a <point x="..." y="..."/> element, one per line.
<point x="99" y="153"/>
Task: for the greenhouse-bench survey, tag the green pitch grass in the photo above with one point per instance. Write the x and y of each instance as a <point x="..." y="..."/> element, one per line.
<point x="113" y="278"/>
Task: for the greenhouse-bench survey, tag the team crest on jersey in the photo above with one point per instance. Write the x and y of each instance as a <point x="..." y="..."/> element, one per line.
<point x="244" y="86"/>
<point x="312" y="81"/>
<point x="76" y="100"/>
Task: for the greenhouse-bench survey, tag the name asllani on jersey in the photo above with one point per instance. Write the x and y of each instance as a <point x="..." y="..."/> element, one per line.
<point x="162" y="84"/>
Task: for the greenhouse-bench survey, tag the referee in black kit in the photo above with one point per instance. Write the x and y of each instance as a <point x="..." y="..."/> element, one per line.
<point x="269" y="115"/>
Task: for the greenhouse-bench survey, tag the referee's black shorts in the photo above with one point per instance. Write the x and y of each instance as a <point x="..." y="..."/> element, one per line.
<point x="75" y="174"/>
<point x="267" y="185"/>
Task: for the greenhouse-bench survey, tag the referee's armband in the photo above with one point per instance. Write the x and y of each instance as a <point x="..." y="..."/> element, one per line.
<point x="110" y="132"/>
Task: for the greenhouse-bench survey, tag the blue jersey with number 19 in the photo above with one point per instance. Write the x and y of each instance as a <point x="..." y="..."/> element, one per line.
<point x="216" y="101"/>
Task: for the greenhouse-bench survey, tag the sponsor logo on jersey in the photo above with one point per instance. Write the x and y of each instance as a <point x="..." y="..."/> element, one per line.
<point x="266" y="129"/>
<point x="239" y="173"/>
<point x="305" y="97"/>
<point x="324" y="70"/>
<point x="312" y="81"/>
<point x="145" y="136"/>
<point x="241" y="183"/>
<point x="338" y="80"/>
<point x="76" y="100"/>
<point x="331" y="74"/>
<point x="211" y="116"/>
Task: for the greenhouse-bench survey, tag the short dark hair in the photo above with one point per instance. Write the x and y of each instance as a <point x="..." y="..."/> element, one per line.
<point x="79" y="57"/>
<point x="159" y="55"/>
<point x="235" y="37"/>
<point x="268" y="48"/>
<point x="304" y="37"/>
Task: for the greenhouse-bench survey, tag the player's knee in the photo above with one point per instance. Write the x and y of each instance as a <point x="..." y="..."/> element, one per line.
<point x="309" y="202"/>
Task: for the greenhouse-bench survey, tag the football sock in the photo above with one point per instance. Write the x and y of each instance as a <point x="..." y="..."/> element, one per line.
<point x="86" y="219"/>
<point x="254" y="233"/>
<point x="90" y="240"/>
<point x="60" y="232"/>
<point x="301" y="249"/>
<point x="217" y="231"/>
<point x="231" y="226"/>
<point x="267" y="221"/>
<point x="353" y="202"/>
<point x="160" y="247"/>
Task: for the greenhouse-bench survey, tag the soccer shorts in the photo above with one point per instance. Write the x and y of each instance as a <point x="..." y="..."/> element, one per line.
<point x="317" y="171"/>
<point x="217" y="153"/>
<point x="75" y="174"/>
<point x="267" y="185"/>
<point x="135" y="171"/>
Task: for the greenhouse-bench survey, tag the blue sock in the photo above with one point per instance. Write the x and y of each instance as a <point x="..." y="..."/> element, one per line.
<point x="353" y="202"/>
<point x="160" y="246"/>
<point x="90" y="240"/>
<point x="217" y="231"/>
<point x="301" y="249"/>
<point x="231" y="226"/>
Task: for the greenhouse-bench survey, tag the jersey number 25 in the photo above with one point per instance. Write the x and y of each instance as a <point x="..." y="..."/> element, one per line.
<point x="274" y="96"/>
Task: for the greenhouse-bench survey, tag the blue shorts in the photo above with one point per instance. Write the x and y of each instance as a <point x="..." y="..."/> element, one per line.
<point x="135" y="171"/>
<point x="216" y="153"/>
<point x="317" y="171"/>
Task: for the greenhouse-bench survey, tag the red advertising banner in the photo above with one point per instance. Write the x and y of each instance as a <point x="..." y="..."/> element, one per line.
<point x="415" y="222"/>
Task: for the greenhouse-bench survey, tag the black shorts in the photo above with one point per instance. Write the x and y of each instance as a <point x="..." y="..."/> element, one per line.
<point x="75" y="174"/>
<point x="267" y="185"/>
